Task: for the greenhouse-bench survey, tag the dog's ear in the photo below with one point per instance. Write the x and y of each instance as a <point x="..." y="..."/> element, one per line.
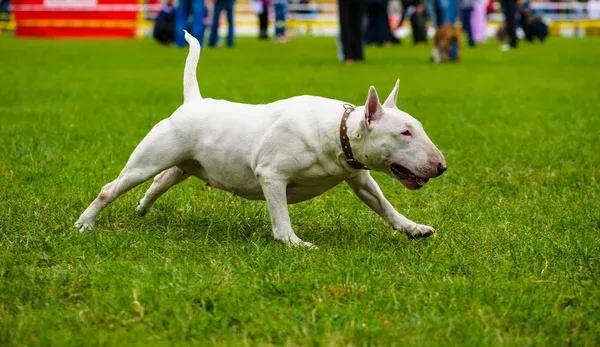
<point x="373" y="109"/>
<point x="391" y="99"/>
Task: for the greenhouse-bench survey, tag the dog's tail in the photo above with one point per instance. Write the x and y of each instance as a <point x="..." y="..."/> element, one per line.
<point x="191" y="91"/>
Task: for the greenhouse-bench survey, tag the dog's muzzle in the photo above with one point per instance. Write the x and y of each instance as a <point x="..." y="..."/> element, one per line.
<point x="407" y="177"/>
<point x="441" y="168"/>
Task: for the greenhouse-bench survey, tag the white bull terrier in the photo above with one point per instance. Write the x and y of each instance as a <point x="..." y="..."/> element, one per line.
<point x="283" y="152"/>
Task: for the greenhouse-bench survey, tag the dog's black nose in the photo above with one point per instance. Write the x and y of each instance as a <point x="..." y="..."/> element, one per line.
<point x="441" y="168"/>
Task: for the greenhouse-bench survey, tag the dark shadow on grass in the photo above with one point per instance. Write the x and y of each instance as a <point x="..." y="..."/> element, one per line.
<point x="226" y="229"/>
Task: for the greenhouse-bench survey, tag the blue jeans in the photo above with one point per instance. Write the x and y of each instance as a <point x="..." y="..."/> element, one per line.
<point x="442" y="11"/>
<point x="449" y="10"/>
<point x="221" y="5"/>
<point x="465" y="18"/>
<point x="280" y="17"/>
<point x="182" y="13"/>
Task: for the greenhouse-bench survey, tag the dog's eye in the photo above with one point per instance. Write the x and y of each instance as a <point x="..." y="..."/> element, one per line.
<point x="405" y="133"/>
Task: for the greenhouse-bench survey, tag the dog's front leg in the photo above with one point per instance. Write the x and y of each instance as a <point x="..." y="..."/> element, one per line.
<point x="274" y="191"/>
<point x="369" y="192"/>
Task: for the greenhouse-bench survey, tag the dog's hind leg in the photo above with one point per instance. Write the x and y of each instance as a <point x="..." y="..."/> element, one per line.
<point x="128" y="178"/>
<point x="159" y="150"/>
<point x="162" y="182"/>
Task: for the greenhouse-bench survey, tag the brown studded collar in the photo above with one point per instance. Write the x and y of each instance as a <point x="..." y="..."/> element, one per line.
<point x="345" y="141"/>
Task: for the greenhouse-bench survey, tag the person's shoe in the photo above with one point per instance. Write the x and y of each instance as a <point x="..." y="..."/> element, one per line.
<point x="505" y="47"/>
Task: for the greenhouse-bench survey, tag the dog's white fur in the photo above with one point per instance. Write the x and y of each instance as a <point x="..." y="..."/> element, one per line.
<point x="283" y="152"/>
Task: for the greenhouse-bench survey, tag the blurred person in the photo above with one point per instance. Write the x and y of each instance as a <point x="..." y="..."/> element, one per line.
<point x="262" y="10"/>
<point x="375" y="31"/>
<point x="509" y="9"/>
<point x="378" y="29"/>
<point x="479" y="21"/>
<point x="4" y="6"/>
<point x="434" y="11"/>
<point x="350" y="16"/>
<point x="220" y="5"/>
<point x="490" y="7"/>
<point x="388" y="27"/>
<point x="418" y="24"/>
<point x="449" y="11"/>
<point x="189" y="15"/>
<point x="466" y="11"/>
<point x="164" y="24"/>
<point x="593" y="8"/>
<point x="415" y="11"/>
<point x="280" y="8"/>
<point x="532" y="25"/>
<point x="442" y="12"/>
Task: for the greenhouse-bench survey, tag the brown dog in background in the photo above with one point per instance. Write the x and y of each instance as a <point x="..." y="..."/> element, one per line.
<point x="446" y="44"/>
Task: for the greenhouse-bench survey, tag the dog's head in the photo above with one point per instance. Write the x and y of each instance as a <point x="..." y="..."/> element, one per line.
<point x="395" y="142"/>
<point x="446" y="44"/>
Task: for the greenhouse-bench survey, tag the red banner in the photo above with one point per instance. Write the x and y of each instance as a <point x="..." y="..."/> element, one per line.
<point x="76" y="18"/>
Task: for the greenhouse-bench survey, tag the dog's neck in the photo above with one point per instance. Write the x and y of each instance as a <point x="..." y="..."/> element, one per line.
<point x="356" y="135"/>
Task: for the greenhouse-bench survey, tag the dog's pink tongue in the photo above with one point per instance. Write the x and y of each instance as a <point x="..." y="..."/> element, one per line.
<point x="410" y="184"/>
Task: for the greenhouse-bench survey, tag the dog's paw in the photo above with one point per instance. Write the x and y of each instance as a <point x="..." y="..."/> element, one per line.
<point x="295" y="241"/>
<point x="420" y="231"/>
<point x="84" y="226"/>
<point x="141" y="211"/>
<point x="304" y="244"/>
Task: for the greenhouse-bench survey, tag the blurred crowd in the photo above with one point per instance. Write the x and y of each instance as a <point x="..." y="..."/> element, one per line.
<point x="361" y="22"/>
<point x="367" y="22"/>
<point x="198" y="15"/>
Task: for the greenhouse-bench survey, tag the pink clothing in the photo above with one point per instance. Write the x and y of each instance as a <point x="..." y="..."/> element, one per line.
<point x="479" y="21"/>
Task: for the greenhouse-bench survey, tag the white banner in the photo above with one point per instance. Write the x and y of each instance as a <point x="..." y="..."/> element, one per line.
<point x="70" y="3"/>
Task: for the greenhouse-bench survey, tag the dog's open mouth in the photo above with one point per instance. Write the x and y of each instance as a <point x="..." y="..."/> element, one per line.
<point x="409" y="179"/>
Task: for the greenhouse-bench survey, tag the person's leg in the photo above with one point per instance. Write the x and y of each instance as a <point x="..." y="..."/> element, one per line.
<point x="417" y="22"/>
<point x="509" y="8"/>
<point x="451" y="11"/>
<point x="345" y="28"/>
<point x="355" y="36"/>
<point x="181" y="16"/>
<point x="198" y="20"/>
<point x="389" y="34"/>
<point x="527" y="27"/>
<point x="263" y="21"/>
<point x="214" y="27"/>
<point x="431" y="11"/>
<point x="266" y="18"/>
<point x="358" y="9"/>
<point x="380" y="24"/>
<point x="370" y="34"/>
<point x="465" y="19"/>
<point x="280" y="18"/>
<point x="230" y="24"/>
<point x="439" y="13"/>
<point x="443" y="11"/>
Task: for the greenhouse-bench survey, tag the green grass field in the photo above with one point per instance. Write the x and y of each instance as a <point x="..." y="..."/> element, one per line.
<point x="515" y="261"/>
